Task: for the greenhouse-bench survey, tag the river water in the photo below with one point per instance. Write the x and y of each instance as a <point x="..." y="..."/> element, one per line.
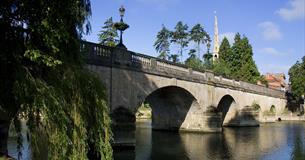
<point x="271" y="141"/>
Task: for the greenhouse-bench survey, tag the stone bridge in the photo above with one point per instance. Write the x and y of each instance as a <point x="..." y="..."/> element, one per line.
<point x="181" y="98"/>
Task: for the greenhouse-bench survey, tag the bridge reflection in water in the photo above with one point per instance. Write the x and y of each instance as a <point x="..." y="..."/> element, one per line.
<point x="270" y="141"/>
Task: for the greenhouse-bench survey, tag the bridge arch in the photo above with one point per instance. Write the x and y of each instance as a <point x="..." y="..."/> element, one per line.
<point x="170" y="107"/>
<point x="228" y="107"/>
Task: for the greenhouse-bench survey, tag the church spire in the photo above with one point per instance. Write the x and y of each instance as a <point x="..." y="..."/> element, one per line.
<point x="216" y="40"/>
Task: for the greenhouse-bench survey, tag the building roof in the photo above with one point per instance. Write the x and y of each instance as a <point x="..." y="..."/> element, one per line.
<point x="276" y="80"/>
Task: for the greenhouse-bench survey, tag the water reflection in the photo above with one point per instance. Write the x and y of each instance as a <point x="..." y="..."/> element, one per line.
<point x="284" y="140"/>
<point x="271" y="141"/>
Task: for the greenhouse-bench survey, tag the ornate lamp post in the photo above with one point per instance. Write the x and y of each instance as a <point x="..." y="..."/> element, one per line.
<point x="121" y="26"/>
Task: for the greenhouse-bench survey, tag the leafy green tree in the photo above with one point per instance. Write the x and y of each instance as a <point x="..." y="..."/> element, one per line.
<point x="108" y="35"/>
<point x="297" y="78"/>
<point x="180" y="37"/>
<point x="208" y="58"/>
<point x="248" y="71"/>
<point x="193" y="61"/>
<point x="241" y="63"/>
<point x="43" y="81"/>
<point x="225" y="50"/>
<point x="221" y="66"/>
<point x="199" y="36"/>
<point x="162" y="42"/>
<point x="235" y="62"/>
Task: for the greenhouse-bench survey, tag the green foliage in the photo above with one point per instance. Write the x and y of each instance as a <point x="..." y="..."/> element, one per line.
<point x="180" y="36"/>
<point x="144" y="111"/>
<point x="236" y="61"/>
<point x="43" y="80"/>
<point x="68" y="107"/>
<point x="225" y="51"/>
<point x="297" y="78"/>
<point x="263" y="81"/>
<point x="199" y="35"/>
<point x="108" y="35"/>
<point x="174" y="58"/>
<point x="208" y="60"/>
<point x="248" y="71"/>
<point x="272" y="109"/>
<point x="121" y="26"/>
<point x="38" y="57"/>
<point x="220" y="67"/>
<point x="193" y="61"/>
<point x="256" y="106"/>
<point x="162" y="42"/>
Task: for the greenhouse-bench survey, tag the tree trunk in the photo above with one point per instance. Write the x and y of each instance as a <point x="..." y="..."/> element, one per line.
<point x="4" y="130"/>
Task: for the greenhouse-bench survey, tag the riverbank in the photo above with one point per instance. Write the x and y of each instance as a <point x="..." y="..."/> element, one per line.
<point x="292" y="117"/>
<point x="282" y="117"/>
<point x="144" y="112"/>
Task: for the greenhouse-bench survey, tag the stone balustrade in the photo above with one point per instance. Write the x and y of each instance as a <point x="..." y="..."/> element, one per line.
<point x="96" y="54"/>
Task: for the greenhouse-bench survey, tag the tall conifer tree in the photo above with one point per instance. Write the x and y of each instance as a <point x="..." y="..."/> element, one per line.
<point x="108" y="35"/>
<point x="180" y="37"/>
<point x="162" y="43"/>
<point x="248" y="71"/>
<point x="199" y="36"/>
<point x="221" y="66"/>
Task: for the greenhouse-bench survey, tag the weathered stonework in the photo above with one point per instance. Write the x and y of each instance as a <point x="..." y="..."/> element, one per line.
<point x="181" y="98"/>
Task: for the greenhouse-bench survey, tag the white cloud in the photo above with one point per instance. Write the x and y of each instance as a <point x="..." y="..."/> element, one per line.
<point x="270" y="31"/>
<point x="271" y="51"/>
<point x="294" y="12"/>
<point x="229" y="35"/>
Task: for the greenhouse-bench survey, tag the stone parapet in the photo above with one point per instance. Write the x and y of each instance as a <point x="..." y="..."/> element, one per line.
<point x="96" y="54"/>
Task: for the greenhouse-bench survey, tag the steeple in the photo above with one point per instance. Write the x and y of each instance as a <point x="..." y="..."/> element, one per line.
<point x="216" y="40"/>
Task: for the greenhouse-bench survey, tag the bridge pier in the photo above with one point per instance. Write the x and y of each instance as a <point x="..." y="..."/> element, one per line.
<point x="123" y="129"/>
<point x="246" y="117"/>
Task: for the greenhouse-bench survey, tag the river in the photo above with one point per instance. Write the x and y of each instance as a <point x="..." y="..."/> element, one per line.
<point x="271" y="141"/>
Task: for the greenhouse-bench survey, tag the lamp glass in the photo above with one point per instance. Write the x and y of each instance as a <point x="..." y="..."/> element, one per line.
<point x="122" y="11"/>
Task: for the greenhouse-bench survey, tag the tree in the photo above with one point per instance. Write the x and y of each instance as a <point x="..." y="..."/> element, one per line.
<point x="234" y="61"/>
<point x="180" y="37"/>
<point x="199" y="36"/>
<point x="297" y="78"/>
<point x="221" y="66"/>
<point x="162" y="42"/>
<point x="208" y="64"/>
<point x="43" y="80"/>
<point x="193" y="61"/>
<point x="240" y="61"/>
<point x="225" y="50"/>
<point x="108" y="35"/>
<point x="174" y="58"/>
<point x="248" y="71"/>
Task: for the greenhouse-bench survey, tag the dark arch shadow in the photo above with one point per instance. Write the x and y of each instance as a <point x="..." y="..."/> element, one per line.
<point x="170" y="107"/>
<point x="226" y="107"/>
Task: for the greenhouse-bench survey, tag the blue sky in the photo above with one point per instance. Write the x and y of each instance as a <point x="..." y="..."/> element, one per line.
<point x="275" y="28"/>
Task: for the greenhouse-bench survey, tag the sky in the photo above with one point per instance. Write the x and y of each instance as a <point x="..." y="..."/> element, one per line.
<point x="275" y="28"/>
